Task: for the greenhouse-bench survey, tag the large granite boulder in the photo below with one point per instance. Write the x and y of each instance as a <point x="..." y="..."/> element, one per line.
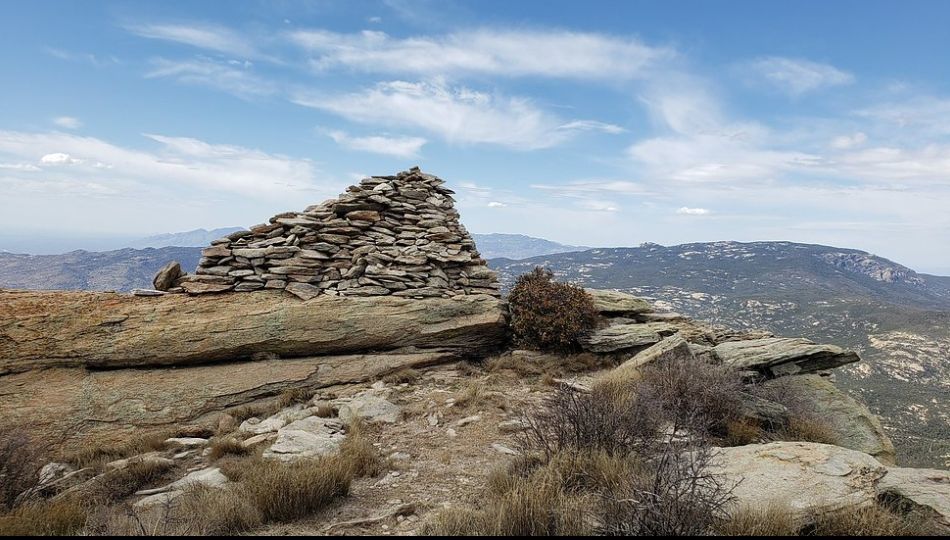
<point x="41" y="329"/>
<point x="810" y="478"/>
<point x="775" y="357"/>
<point x="853" y="425"/>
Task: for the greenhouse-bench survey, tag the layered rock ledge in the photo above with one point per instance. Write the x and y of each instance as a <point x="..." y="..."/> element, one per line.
<point x="108" y="330"/>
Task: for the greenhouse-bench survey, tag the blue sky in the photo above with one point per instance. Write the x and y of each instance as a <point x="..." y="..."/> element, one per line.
<point x="596" y="123"/>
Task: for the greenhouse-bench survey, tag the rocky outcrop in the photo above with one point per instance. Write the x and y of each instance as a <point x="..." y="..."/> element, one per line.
<point x="618" y="304"/>
<point x="390" y="235"/>
<point x="625" y="336"/>
<point x="113" y="404"/>
<point x="810" y="478"/>
<point x="852" y="423"/>
<point x="106" y="330"/>
<point x="926" y="490"/>
<point x="775" y="357"/>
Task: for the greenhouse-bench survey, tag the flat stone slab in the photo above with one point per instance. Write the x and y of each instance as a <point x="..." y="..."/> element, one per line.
<point x="624" y="336"/>
<point x="775" y="357"/>
<point x="311" y="437"/>
<point x="616" y="303"/>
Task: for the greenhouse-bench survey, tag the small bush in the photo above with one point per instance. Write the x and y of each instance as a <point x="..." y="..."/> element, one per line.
<point x="21" y="459"/>
<point x="547" y="315"/>
<point x="740" y="432"/>
<point x="65" y="517"/>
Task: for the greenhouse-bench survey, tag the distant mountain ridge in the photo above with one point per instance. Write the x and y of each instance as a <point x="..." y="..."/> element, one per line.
<point x="518" y="246"/>
<point x="897" y="319"/>
<point x="195" y="238"/>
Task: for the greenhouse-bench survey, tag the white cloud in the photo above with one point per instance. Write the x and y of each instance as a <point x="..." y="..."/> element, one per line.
<point x="797" y="76"/>
<point x="583" y="188"/>
<point x="59" y="158"/>
<point x="181" y="163"/>
<point x="686" y="211"/>
<point x="211" y="37"/>
<point x="592" y="125"/>
<point x="67" y="122"/>
<point x="844" y="142"/>
<point x="379" y="144"/>
<point x="202" y="71"/>
<point x="496" y="204"/>
<point x="542" y="53"/>
<point x="458" y="114"/>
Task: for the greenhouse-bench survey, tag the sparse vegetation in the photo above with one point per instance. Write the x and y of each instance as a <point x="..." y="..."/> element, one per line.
<point x="21" y="459"/>
<point x="404" y="375"/>
<point x="65" y="517"/>
<point x="227" y="446"/>
<point x="547" y="315"/>
<point x="96" y="455"/>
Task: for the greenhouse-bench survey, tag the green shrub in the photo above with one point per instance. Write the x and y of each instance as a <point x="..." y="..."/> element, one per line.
<point x="547" y="315"/>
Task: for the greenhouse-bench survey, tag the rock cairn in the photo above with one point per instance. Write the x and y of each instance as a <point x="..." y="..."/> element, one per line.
<point x="390" y="235"/>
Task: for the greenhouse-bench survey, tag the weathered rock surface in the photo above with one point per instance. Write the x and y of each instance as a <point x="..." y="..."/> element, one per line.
<point x="389" y="235"/>
<point x="625" y="336"/>
<point x="811" y="478"/>
<point x="775" y="357"/>
<point x="854" y="426"/>
<point x="211" y="477"/>
<point x="927" y="490"/>
<point x="107" y="330"/>
<point x="369" y="407"/>
<point x="111" y="405"/>
<point x="309" y="437"/>
<point x="167" y="276"/>
<point x="615" y="303"/>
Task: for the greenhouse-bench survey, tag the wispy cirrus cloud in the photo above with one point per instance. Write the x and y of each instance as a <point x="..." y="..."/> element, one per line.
<point x="456" y="113"/>
<point x="796" y="76"/>
<point x="232" y="77"/>
<point x="510" y="53"/>
<point x="203" y="36"/>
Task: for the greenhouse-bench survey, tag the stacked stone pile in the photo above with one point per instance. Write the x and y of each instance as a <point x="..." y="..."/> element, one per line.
<point x="390" y="235"/>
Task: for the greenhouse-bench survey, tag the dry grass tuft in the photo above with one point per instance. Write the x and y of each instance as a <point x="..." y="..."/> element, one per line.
<point x="287" y="491"/>
<point x="199" y="511"/>
<point x="358" y="454"/>
<point x="404" y="375"/>
<point x="740" y="432"/>
<point x="227" y="446"/>
<point x="807" y="429"/>
<point x="768" y="519"/>
<point x="874" y="520"/>
<point x="293" y="396"/>
<point x="118" y="484"/>
<point x="97" y="455"/>
<point x="44" y="518"/>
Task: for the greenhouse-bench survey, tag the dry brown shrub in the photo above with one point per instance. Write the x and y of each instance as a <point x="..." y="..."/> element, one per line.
<point x="97" y="454"/>
<point x="547" y="315"/>
<point x="118" y="484"/>
<point x="873" y="520"/>
<point x="21" y="458"/>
